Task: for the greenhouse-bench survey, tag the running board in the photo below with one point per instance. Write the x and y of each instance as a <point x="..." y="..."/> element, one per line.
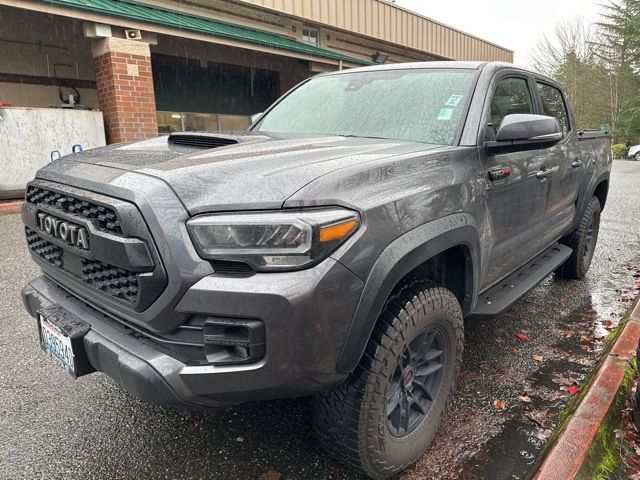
<point x="499" y="297"/>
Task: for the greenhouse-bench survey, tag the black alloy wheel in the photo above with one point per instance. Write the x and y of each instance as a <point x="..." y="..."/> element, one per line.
<point x="415" y="382"/>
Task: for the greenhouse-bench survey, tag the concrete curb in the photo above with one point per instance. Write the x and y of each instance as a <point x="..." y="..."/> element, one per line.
<point x="572" y="445"/>
<point x="11" y="206"/>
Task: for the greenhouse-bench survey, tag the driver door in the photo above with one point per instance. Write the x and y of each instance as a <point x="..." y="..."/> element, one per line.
<point x="515" y="195"/>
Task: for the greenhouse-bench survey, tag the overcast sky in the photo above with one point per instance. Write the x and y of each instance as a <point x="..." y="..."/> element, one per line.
<point x="514" y="24"/>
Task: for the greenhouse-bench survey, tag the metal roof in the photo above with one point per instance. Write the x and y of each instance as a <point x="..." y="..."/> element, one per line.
<point x="385" y="21"/>
<point x="183" y="21"/>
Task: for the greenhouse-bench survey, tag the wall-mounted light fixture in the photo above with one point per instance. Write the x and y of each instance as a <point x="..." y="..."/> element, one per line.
<point x="379" y="57"/>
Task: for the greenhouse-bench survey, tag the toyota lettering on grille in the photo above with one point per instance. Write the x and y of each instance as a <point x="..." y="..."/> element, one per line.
<point x="68" y="232"/>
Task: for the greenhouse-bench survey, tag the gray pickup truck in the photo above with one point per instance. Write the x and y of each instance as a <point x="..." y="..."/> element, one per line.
<point x="332" y="250"/>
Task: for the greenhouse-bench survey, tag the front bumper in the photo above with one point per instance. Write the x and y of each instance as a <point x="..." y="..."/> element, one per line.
<point x="306" y="316"/>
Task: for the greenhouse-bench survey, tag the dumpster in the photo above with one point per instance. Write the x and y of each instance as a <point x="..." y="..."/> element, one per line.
<point x="33" y="137"/>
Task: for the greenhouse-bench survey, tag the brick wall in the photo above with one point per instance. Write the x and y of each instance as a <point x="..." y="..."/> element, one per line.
<point x="125" y="89"/>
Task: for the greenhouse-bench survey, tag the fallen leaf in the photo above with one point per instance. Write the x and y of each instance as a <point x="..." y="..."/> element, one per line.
<point x="523" y="337"/>
<point x="271" y="475"/>
<point x="537" y="358"/>
<point x="499" y="404"/>
<point x="525" y="399"/>
<point x="542" y="433"/>
<point x="573" y="389"/>
<point x="584" y="340"/>
<point x="568" y="334"/>
<point x="335" y="464"/>
<point x="537" y="416"/>
<point x="625" y="298"/>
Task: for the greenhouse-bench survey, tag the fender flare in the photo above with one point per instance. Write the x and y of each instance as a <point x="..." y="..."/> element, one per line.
<point x="583" y="200"/>
<point x="399" y="258"/>
<point x="606" y="176"/>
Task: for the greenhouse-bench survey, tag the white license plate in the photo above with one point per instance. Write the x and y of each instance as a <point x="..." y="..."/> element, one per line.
<point x="57" y="344"/>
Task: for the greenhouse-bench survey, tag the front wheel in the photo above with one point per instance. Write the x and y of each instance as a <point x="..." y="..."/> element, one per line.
<point x="637" y="157"/>
<point x="385" y="415"/>
<point x="583" y="242"/>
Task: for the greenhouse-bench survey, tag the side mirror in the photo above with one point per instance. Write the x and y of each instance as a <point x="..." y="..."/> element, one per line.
<point x="255" y="117"/>
<point x="526" y="129"/>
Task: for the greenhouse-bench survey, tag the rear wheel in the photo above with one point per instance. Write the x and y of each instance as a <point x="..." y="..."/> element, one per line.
<point x="637" y="157"/>
<point x="583" y="242"/>
<point x="386" y="414"/>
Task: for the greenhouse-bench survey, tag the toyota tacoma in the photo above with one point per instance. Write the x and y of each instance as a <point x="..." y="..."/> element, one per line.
<point x="332" y="250"/>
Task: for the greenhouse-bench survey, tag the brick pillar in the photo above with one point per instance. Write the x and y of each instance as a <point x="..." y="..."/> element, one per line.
<point x="125" y="89"/>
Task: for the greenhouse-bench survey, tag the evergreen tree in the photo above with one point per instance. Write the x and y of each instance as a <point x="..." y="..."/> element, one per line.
<point x="619" y="52"/>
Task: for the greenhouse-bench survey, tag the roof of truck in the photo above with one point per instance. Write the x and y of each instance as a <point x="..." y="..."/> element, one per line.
<point x="450" y="64"/>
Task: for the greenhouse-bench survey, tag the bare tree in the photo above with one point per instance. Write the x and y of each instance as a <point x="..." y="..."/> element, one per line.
<point x="575" y="36"/>
<point x="571" y="56"/>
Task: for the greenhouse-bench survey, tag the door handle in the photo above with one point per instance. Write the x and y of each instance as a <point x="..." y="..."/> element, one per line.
<point x="543" y="173"/>
<point x="499" y="173"/>
<point x="576" y="163"/>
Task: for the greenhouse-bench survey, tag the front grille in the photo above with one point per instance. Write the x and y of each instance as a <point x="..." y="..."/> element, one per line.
<point x="48" y="251"/>
<point x="102" y="217"/>
<point x="117" y="282"/>
<point x="122" y="262"/>
<point x="114" y="281"/>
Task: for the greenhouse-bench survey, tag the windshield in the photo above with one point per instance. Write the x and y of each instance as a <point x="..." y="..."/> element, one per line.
<point x="425" y="105"/>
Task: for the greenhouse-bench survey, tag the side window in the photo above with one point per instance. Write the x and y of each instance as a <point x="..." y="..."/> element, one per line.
<point x="553" y="104"/>
<point x="511" y="96"/>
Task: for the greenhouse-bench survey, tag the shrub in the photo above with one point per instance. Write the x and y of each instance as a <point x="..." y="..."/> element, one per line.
<point x="619" y="149"/>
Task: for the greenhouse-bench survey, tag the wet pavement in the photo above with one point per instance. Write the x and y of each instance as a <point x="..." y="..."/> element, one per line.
<point x="56" y="428"/>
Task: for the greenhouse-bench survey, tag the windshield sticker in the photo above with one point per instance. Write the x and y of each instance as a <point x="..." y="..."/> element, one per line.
<point x="454" y="100"/>
<point x="445" y="113"/>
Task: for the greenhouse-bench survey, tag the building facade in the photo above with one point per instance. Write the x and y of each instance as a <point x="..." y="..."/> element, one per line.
<point x="163" y="65"/>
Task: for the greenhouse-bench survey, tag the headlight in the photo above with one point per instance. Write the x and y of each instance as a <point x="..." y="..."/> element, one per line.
<point x="284" y="240"/>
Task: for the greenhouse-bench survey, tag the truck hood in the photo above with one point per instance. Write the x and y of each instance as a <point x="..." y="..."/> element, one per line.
<point x="259" y="172"/>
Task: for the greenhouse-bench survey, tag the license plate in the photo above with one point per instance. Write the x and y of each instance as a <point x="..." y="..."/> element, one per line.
<point x="57" y="344"/>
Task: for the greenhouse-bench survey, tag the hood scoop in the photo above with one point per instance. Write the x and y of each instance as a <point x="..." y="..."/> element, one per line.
<point x="201" y="139"/>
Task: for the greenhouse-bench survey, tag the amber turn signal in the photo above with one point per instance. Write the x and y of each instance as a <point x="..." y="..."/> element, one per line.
<point x="338" y="231"/>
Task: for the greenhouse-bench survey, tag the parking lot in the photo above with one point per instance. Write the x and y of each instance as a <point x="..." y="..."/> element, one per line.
<point x="54" y="427"/>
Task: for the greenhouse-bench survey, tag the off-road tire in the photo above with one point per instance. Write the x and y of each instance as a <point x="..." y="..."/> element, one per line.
<point x="583" y="242"/>
<point x="351" y="420"/>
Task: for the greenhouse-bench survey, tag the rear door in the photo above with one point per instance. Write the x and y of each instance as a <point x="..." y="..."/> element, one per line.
<point x="515" y="196"/>
<point x="565" y="163"/>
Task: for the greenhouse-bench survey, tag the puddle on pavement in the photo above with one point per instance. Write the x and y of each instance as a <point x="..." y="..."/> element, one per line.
<point x="567" y="324"/>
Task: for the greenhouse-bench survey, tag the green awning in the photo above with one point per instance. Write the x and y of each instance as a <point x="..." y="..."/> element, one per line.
<point x="183" y="21"/>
